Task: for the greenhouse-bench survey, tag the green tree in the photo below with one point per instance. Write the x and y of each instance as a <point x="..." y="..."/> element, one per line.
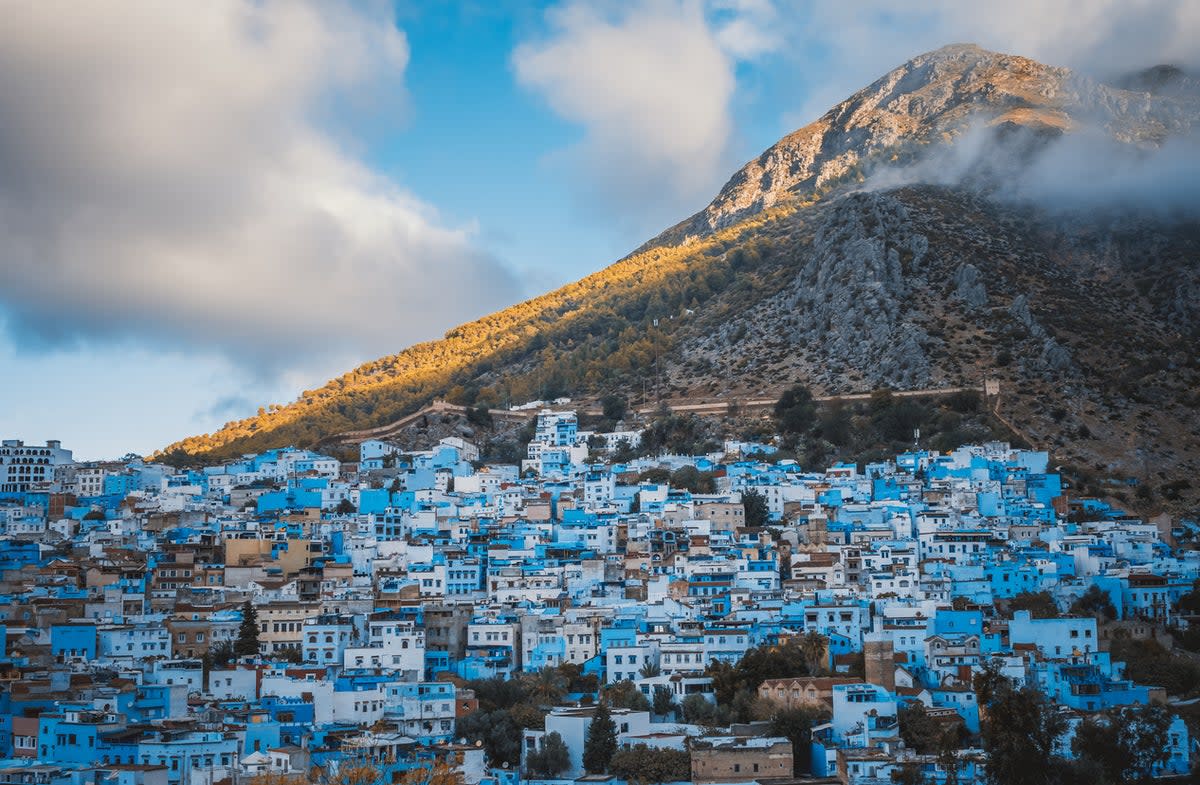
<point x="1020" y="732"/>
<point x="551" y="757"/>
<point x="649" y="670"/>
<point x="690" y="478"/>
<point x="499" y="732"/>
<point x="835" y="423"/>
<point x="624" y="694"/>
<point x="815" y="648"/>
<point x="1040" y="604"/>
<point x="577" y="680"/>
<point x="527" y="715"/>
<point x="614" y="407"/>
<point x="927" y="736"/>
<point x="600" y="744"/>
<point x="1149" y="662"/>
<point x="623" y="452"/>
<point x="498" y="693"/>
<point x="346" y="507"/>
<point x="1126" y="743"/>
<point x="656" y="475"/>
<point x="895" y="419"/>
<point x="795" y="411"/>
<point x="1094" y="602"/>
<point x="754" y="505"/>
<point x="247" y="639"/>
<point x="547" y="686"/>
<point x="909" y="774"/>
<point x="698" y="710"/>
<point x="480" y="416"/>
<point x="1190" y="602"/>
<point x="640" y="764"/>
<point x="796" y="726"/>
<point x="726" y="681"/>
<point x="919" y="731"/>
<point x="780" y="661"/>
<point x="663" y="702"/>
<point x="221" y="654"/>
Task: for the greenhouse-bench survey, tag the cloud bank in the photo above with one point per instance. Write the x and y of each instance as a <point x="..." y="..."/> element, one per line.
<point x="166" y="175"/>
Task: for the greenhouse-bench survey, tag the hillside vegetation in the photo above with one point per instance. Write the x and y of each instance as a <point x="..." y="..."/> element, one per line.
<point x="603" y="331"/>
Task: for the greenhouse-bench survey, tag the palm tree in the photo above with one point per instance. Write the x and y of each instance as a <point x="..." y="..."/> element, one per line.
<point x="815" y="647"/>
<point x="650" y="670"/>
<point x="547" y="686"/>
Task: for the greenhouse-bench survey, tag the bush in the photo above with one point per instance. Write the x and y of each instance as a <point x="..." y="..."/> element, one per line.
<point x="964" y="401"/>
<point x="480" y="416"/>
<point x="644" y="765"/>
<point x="1040" y="604"/>
<point x="1094" y="602"/>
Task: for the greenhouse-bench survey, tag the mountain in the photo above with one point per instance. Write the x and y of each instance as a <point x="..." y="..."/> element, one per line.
<point x="947" y="223"/>
<point x="936" y="97"/>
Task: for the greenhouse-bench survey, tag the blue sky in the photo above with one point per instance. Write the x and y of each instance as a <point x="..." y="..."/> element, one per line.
<point x="209" y="207"/>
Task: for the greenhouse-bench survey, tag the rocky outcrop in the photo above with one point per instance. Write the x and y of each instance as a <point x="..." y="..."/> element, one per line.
<point x="850" y="294"/>
<point x="969" y="286"/>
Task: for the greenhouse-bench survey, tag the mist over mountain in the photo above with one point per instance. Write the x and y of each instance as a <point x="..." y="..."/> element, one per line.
<point x="968" y="215"/>
<point x="988" y="115"/>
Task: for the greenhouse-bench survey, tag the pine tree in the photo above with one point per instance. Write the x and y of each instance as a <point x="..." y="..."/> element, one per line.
<point x="601" y="742"/>
<point x="247" y="639"/>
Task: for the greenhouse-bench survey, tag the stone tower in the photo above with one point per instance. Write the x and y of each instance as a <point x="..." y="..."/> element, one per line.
<point x="879" y="661"/>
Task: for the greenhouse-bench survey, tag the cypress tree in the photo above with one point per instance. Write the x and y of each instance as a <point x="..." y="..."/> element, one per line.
<point x="601" y="742"/>
<point x="247" y="639"/>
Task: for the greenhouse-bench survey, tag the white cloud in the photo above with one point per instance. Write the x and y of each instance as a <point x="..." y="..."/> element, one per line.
<point x="746" y="28"/>
<point x="165" y="174"/>
<point x="651" y="84"/>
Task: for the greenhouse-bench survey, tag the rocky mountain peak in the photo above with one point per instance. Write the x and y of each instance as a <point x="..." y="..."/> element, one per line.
<point x="929" y="101"/>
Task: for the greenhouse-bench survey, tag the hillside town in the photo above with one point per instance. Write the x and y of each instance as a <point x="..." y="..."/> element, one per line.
<point x="733" y="617"/>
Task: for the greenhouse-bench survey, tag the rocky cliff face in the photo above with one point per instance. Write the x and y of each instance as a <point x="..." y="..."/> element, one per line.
<point x="935" y="98"/>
